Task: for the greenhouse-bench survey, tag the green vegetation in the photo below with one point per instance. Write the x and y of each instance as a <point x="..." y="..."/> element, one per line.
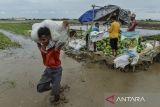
<point x="153" y="37"/>
<point x="149" y="24"/>
<point x="5" y="42"/>
<point x="20" y="28"/>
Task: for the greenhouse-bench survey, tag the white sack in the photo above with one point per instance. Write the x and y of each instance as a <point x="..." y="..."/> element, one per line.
<point x="58" y="33"/>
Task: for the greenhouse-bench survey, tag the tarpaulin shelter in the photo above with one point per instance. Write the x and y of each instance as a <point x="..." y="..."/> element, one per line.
<point x="87" y="16"/>
<point x="103" y="13"/>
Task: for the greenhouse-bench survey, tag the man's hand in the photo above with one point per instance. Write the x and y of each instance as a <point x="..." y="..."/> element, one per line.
<point x="38" y="45"/>
<point x="66" y="24"/>
<point x="59" y="45"/>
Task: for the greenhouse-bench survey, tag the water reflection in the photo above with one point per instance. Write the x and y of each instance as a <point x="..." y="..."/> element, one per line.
<point x="143" y="32"/>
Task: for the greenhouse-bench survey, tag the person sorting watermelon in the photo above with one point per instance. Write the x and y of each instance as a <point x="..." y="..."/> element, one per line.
<point x="114" y="32"/>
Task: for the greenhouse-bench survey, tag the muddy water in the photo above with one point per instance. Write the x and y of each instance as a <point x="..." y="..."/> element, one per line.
<point x="20" y="70"/>
<point x="142" y="32"/>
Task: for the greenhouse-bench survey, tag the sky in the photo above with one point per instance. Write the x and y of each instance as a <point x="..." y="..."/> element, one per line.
<point x="144" y="9"/>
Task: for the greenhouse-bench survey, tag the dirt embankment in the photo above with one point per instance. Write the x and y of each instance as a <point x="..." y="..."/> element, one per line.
<point x="149" y="25"/>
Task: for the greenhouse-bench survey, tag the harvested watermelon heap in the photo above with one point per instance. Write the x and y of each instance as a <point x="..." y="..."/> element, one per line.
<point x="104" y="45"/>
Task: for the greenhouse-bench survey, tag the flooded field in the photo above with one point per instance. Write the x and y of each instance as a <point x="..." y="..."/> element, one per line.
<point x="21" y="68"/>
<point x="142" y="32"/>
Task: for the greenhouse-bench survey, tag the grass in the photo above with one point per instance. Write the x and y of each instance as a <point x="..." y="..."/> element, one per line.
<point x="21" y="28"/>
<point x="152" y="37"/>
<point x="5" y="42"/>
<point x="149" y="22"/>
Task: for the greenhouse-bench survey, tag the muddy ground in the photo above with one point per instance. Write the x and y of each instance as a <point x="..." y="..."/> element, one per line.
<point x="20" y="70"/>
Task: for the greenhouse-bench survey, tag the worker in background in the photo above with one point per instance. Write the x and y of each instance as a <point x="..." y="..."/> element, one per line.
<point x="133" y="23"/>
<point x="95" y="28"/>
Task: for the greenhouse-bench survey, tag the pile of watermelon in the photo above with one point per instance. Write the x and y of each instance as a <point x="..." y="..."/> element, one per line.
<point x="104" y="45"/>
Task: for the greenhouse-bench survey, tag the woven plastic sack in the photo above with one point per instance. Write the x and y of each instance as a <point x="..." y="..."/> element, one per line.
<point x="58" y="32"/>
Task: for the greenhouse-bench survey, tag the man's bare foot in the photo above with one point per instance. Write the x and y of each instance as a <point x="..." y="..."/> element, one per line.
<point x="54" y="99"/>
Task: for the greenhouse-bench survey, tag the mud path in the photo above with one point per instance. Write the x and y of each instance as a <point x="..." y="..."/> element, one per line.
<point x="20" y="70"/>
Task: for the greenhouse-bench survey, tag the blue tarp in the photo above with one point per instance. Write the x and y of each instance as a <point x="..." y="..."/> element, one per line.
<point x="103" y="13"/>
<point x="87" y="16"/>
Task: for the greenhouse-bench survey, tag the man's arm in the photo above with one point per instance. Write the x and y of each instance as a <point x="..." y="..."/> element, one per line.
<point x="39" y="45"/>
<point x="65" y="24"/>
<point x="133" y="24"/>
<point x="131" y="27"/>
<point x="59" y="45"/>
<point x="110" y="29"/>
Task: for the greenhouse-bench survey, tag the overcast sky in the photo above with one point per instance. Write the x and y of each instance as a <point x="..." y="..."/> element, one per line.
<point x="73" y="8"/>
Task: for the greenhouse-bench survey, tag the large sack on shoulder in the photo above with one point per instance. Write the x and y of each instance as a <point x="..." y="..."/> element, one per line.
<point x="34" y="32"/>
<point x="58" y="32"/>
